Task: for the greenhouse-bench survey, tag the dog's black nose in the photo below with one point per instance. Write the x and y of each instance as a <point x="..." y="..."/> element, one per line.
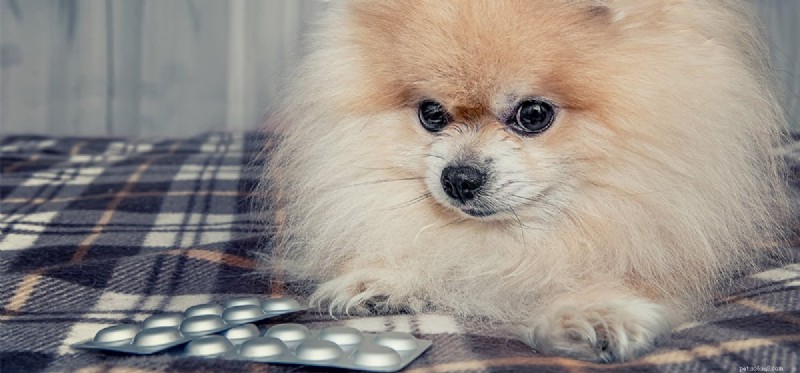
<point x="461" y="182"/>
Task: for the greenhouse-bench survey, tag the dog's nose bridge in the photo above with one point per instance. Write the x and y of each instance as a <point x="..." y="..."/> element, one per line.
<point x="472" y="140"/>
<point x="470" y="113"/>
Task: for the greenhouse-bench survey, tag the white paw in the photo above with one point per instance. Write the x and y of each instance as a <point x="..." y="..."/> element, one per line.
<point x="617" y="329"/>
<point x="364" y="292"/>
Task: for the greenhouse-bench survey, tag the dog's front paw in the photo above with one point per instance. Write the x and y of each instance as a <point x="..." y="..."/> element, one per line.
<point x="365" y="292"/>
<point x="616" y="329"/>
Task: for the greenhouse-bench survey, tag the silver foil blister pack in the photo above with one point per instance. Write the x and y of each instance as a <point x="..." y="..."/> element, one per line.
<point x="162" y="331"/>
<point x="333" y="347"/>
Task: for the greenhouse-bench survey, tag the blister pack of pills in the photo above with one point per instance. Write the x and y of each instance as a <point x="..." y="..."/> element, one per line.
<point x="333" y="347"/>
<point x="162" y="331"/>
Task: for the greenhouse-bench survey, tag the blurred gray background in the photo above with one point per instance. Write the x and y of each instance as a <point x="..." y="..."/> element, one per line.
<point x="148" y="68"/>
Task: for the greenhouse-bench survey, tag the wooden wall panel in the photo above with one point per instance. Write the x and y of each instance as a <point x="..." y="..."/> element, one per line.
<point x="782" y="25"/>
<point x="181" y="67"/>
<point x="53" y="66"/>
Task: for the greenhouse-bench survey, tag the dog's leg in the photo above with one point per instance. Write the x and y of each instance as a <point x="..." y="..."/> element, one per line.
<point x="369" y="290"/>
<point x="599" y="327"/>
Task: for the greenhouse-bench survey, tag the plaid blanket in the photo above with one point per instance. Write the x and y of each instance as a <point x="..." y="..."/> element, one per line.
<point x="95" y="232"/>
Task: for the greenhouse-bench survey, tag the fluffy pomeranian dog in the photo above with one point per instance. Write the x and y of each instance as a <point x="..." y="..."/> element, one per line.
<point x="587" y="171"/>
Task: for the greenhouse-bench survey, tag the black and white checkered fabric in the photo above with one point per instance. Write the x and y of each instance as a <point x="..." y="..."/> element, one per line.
<point x="95" y="232"/>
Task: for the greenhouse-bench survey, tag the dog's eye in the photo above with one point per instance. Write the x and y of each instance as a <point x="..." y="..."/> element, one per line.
<point x="433" y="116"/>
<point x="533" y="117"/>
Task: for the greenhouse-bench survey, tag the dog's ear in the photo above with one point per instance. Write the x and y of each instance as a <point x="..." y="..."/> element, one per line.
<point x="726" y="22"/>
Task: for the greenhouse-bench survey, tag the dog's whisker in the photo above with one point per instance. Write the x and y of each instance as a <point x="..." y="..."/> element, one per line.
<point x="532" y="199"/>
<point x="376" y="168"/>
<point x="522" y="230"/>
<point x="460" y="220"/>
<point x="433" y="226"/>
<point x="366" y="124"/>
<point x="411" y="202"/>
<point x="433" y="156"/>
<point x="374" y="182"/>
